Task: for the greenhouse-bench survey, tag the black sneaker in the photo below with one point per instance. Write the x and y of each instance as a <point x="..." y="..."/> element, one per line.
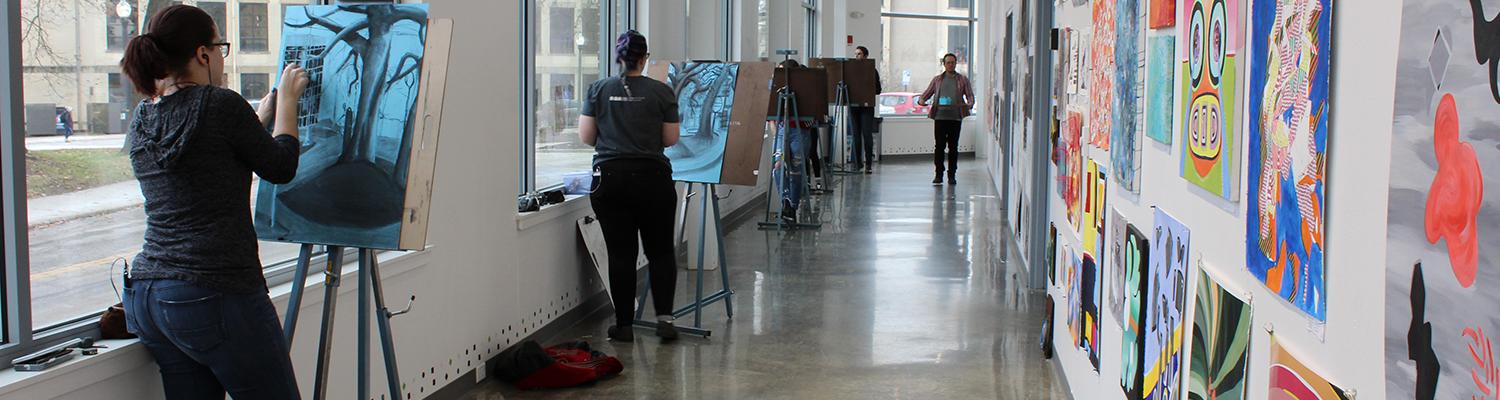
<point x="869" y="170"/>
<point x="666" y="330"/>
<point x="937" y="179"/>
<point x="952" y="179"/>
<point x="788" y="212"/>
<point x="619" y="333"/>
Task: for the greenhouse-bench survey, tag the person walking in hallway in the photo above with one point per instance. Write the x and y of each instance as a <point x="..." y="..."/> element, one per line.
<point x="630" y="120"/>
<point x="862" y="123"/>
<point x="954" y="99"/>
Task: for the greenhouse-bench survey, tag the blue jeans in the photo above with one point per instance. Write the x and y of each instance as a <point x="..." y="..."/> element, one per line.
<point x="790" y="167"/>
<point x="208" y="342"/>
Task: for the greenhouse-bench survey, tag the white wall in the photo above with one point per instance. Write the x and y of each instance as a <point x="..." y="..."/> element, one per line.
<point x="1349" y="349"/>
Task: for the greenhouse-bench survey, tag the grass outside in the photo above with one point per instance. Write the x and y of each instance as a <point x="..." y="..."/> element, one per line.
<point x="54" y="172"/>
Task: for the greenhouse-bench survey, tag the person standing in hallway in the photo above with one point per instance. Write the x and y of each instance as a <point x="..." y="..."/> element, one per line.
<point x="793" y="144"/>
<point x="954" y="99"/>
<point x="196" y="293"/>
<point x="862" y="123"/>
<point x="630" y="120"/>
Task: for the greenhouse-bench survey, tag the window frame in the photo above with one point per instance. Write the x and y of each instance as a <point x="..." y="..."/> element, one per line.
<point x="971" y="20"/>
<point x="265" y="34"/>
<point x="610" y="26"/>
<point x="18" y="335"/>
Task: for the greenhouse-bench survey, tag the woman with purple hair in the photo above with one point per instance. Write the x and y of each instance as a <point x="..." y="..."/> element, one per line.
<point x="630" y="120"/>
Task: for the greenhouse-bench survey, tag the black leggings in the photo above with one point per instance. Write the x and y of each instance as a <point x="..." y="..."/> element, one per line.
<point x="815" y="154"/>
<point x="862" y="124"/>
<point x="945" y="134"/>
<point x="634" y="197"/>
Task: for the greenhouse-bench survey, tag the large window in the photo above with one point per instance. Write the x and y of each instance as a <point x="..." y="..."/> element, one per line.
<point x="253" y="27"/>
<point x="83" y="208"/>
<point x="219" y="11"/>
<point x="566" y="58"/>
<point x="917" y="33"/>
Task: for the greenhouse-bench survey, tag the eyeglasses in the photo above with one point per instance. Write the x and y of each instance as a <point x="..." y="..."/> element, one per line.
<point x="223" y="48"/>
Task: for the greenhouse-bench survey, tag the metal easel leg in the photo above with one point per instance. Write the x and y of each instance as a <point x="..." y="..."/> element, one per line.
<point x="702" y="248"/>
<point x="723" y="265"/>
<point x="331" y="275"/>
<point x="362" y="322"/>
<point x="383" y="323"/>
<point x="299" y="284"/>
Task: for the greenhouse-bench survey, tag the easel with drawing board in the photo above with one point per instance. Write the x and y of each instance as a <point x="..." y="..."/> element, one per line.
<point x="851" y="83"/>
<point x="389" y="214"/>
<point x="801" y="95"/>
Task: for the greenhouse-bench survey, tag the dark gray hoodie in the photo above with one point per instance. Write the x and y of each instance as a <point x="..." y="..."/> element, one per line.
<point x="193" y="153"/>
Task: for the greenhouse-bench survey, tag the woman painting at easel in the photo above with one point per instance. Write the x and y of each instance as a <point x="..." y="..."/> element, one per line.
<point x="196" y="294"/>
<point x="630" y="120"/>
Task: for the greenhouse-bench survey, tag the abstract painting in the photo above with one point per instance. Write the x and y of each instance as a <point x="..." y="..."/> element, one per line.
<point x="1102" y="74"/>
<point x="1288" y="139"/>
<point x="1292" y="380"/>
<point x="1441" y="247"/>
<point x="1210" y="40"/>
<point x="1163" y="14"/>
<point x="1091" y="292"/>
<point x="358" y="123"/>
<point x="1166" y="305"/>
<point x="1094" y="186"/>
<point x="1130" y="255"/>
<point x="1161" y="87"/>
<point x="1068" y="158"/>
<point x="1221" y="343"/>
<point x="1130" y="87"/>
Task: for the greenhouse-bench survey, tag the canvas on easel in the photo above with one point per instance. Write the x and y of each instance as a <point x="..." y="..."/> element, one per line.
<point x="809" y="84"/>
<point x="369" y="123"/>
<point x="722" y="125"/>
<point x="859" y="77"/>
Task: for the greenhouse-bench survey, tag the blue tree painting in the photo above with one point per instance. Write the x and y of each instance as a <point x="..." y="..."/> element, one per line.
<point x="705" y="96"/>
<point x="356" y="125"/>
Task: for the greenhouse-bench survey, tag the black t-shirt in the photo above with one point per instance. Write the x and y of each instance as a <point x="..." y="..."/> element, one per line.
<point x="630" y="112"/>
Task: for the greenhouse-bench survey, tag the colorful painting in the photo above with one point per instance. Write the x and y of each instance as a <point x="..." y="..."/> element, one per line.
<point x="1210" y="40"/>
<point x="1292" y="380"/>
<point x="1166" y="305"/>
<point x="705" y="96"/>
<point x="1441" y="248"/>
<point x="1288" y="139"/>
<point x="1130" y="88"/>
<point x="1161" y="87"/>
<point x="1132" y="256"/>
<point x="1091" y="292"/>
<point x="1102" y="74"/>
<point x="1068" y="158"/>
<point x="1115" y="269"/>
<point x="1073" y="289"/>
<point x="1094" y="185"/>
<point x="1221" y="343"/>
<point x="1163" y="14"/>
<point x="365" y="68"/>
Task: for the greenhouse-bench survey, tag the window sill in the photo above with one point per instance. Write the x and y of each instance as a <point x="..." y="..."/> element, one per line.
<point x="128" y="355"/>
<point x="571" y="205"/>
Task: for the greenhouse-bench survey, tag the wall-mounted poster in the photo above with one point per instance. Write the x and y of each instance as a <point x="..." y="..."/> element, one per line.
<point x="1221" y="343"/>
<point x="1292" y="380"/>
<point x="1166" y="304"/>
<point x="1101" y="74"/>
<point x="1130" y="89"/>
<point x="1073" y="288"/>
<point x="1163" y="13"/>
<point x="1210" y="40"/>
<point x="1068" y="158"/>
<point x="369" y="127"/>
<point x="1161" y="87"/>
<point x="1091" y="292"/>
<point x="1051" y="253"/>
<point x="1131" y="255"/>
<point x="1094" y="186"/>
<point x="1288" y="139"/>
<point x="1442" y="248"/>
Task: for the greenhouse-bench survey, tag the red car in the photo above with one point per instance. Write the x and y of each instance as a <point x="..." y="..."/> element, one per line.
<point x="901" y="103"/>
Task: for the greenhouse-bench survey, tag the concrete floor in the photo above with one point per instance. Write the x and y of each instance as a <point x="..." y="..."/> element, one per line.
<point x="905" y="293"/>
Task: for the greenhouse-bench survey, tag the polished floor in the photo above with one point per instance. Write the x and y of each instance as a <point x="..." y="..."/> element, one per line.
<point x="905" y="293"/>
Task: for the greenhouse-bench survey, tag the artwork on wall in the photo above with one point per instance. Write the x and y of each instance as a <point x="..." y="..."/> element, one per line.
<point x="1130" y="87"/>
<point x="1060" y="76"/>
<point x="1131" y="255"/>
<point x="1073" y="289"/>
<point x="1161" y="87"/>
<point x="1166" y="302"/>
<point x="1115" y="268"/>
<point x="1068" y="158"/>
<point x="1101" y="74"/>
<point x="1163" y="13"/>
<point x="1091" y="292"/>
<point x="1075" y="60"/>
<point x="1095" y="185"/>
<point x="1288" y="139"/>
<point x="1051" y="253"/>
<point x="1209" y="94"/>
<point x="369" y="128"/>
<point x="1221" y="343"/>
<point x="1441" y="246"/>
<point x="1292" y="380"/>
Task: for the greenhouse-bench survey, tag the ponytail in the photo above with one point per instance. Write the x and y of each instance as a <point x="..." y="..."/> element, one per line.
<point x="144" y="63"/>
<point x="176" y="34"/>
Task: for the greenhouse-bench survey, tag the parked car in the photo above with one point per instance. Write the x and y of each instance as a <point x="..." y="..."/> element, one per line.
<point x="901" y="103"/>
